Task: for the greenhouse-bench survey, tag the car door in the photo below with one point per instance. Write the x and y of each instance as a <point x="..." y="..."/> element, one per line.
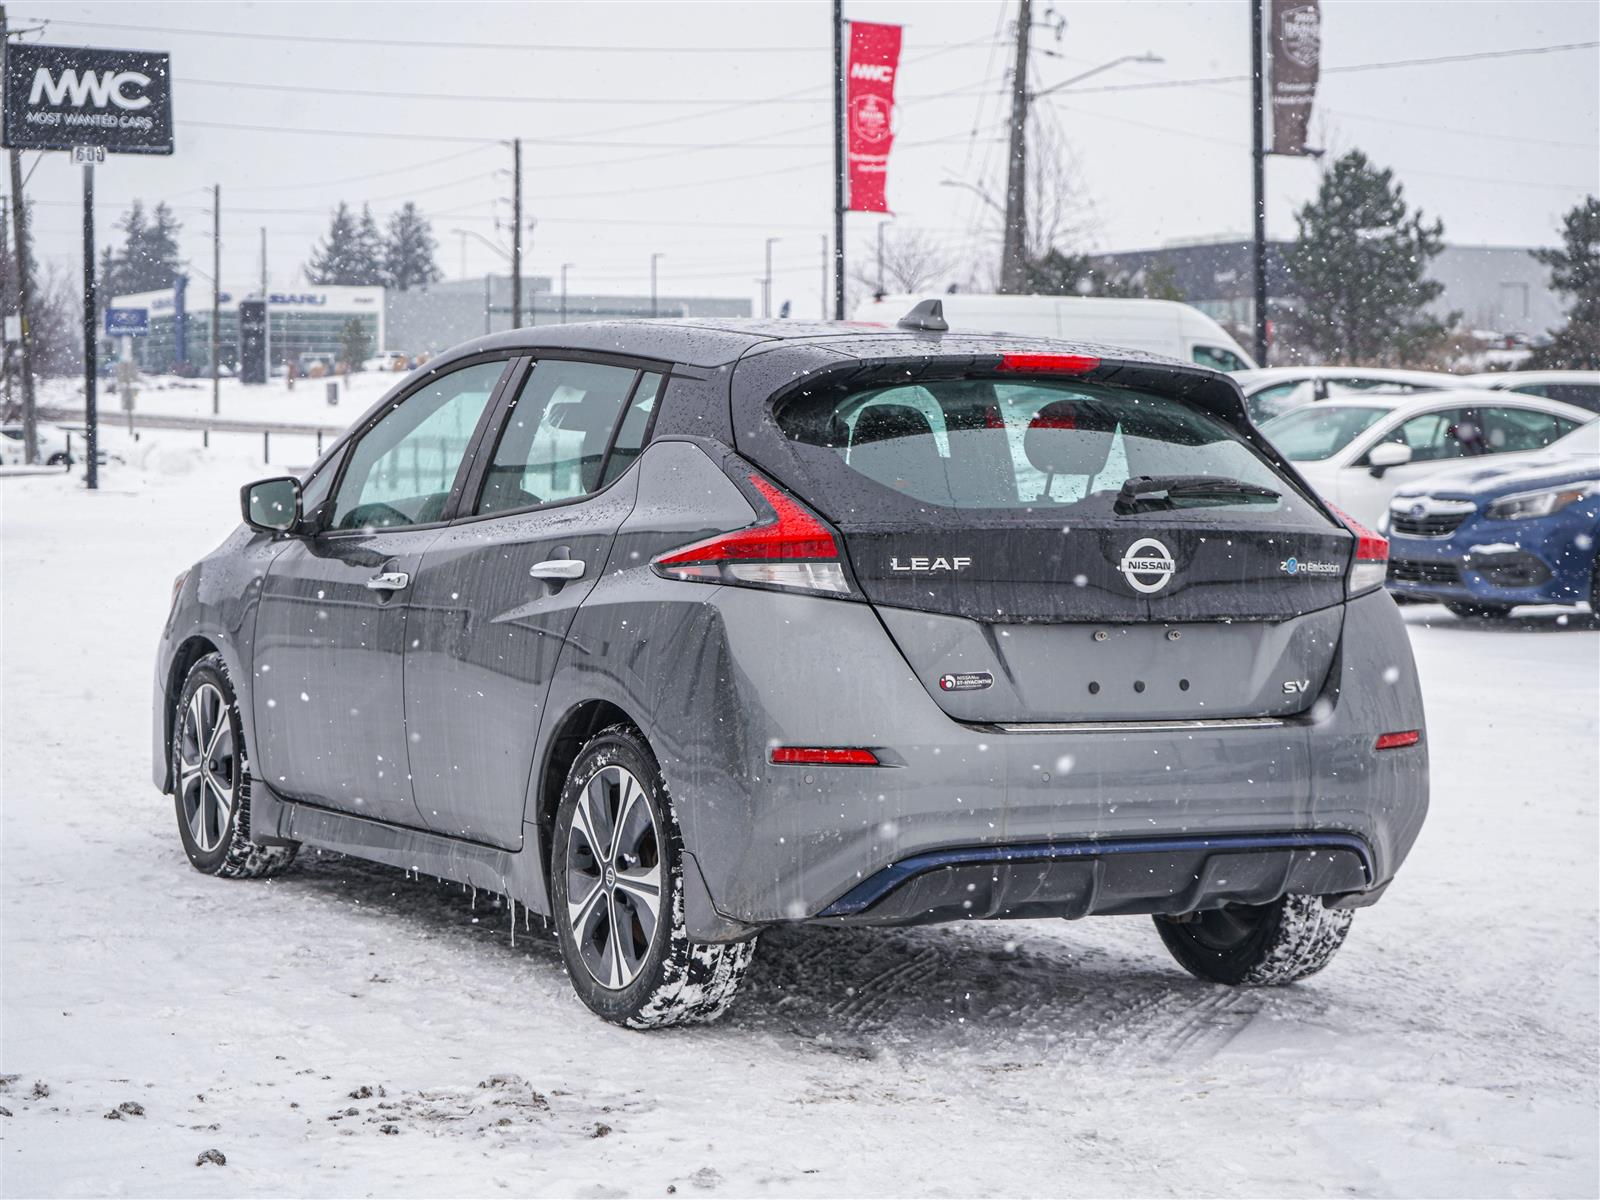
<point x="496" y="593"/>
<point x="331" y="622"/>
<point x="1435" y="437"/>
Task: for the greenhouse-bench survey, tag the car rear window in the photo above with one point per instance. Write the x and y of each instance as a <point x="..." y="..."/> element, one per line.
<point x="1319" y="431"/>
<point x="984" y="444"/>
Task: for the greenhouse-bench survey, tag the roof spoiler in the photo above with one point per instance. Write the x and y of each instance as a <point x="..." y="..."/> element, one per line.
<point x="926" y="317"/>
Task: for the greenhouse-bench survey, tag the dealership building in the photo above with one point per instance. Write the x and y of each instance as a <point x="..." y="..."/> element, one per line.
<point x="311" y="320"/>
<point x="300" y="322"/>
<point x="1498" y="288"/>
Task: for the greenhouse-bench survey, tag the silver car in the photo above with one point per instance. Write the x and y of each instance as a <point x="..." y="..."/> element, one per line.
<point x="676" y="631"/>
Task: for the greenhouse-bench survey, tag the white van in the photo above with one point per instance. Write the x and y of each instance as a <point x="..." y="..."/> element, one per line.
<point x="1158" y="326"/>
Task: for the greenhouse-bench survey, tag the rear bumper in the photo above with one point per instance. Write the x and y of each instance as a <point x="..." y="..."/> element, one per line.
<point x="1026" y="816"/>
<point x="1113" y="878"/>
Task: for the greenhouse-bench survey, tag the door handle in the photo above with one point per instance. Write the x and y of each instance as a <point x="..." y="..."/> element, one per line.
<point x="389" y="581"/>
<point x="557" y="568"/>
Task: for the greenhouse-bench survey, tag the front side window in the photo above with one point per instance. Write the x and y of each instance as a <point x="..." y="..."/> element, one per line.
<point x="554" y="443"/>
<point x="1316" y="432"/>
<point x="402" y="470"/>
<point x="1449" y="433"/>
<point x="978" y="444"/>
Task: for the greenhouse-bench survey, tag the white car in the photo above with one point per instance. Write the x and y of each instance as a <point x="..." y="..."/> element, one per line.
<point x="1272" y="391"/>
<point x="1356" y="451"/>
<point x="1570" y="387"/>
<point x="54" y="449"/>
<point x="1179" y="331"/>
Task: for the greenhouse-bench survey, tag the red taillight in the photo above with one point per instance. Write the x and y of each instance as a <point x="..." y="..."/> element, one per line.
<point x="794" y="533"/>
<point x="1049" y="364"/>
<point x="823" y="756"/>
<point x="1394" y="741"/>
<point x="793" y="550"/>
<point x="1371" y="564"/>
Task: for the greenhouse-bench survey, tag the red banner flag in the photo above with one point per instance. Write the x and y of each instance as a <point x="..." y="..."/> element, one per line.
<point x="869" y="111"/>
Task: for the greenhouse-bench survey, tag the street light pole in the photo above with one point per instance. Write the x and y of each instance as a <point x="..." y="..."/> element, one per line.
<point x="766" y="281"/>
<point x="653" y="260"/>
<point x="216" y="298"/>
<point x="564" y="268"/>
<point x="516" y="233"/>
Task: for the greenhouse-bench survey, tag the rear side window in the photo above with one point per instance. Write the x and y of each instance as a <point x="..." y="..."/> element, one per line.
<point x="1508" y="430"/>
<point x="554" y="443"/>
<point x="980" y="444"/>
<point x="1218" y="359"/>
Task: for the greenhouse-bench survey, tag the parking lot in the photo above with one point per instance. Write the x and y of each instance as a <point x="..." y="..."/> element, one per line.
<point x="352" y="1028"/>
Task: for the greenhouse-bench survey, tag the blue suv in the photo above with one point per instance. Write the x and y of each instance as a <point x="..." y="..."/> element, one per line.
<point x="1485" y="538"/>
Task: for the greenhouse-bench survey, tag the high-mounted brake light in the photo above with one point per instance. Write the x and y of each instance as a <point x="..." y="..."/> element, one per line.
<point x="793" y="550"/>
<point x="823" y="756"/>
<point x="1371" y="564"/>
<point x="1394" y="741"/>
<point x="1049" y="364"/>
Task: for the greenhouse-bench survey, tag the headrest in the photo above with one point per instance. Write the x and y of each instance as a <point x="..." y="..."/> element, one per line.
<point x="1069" y="437"/>
<point x="883" y="422"/>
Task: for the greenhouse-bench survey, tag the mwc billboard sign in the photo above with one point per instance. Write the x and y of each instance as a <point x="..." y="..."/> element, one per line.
<point x="59" y="97"/>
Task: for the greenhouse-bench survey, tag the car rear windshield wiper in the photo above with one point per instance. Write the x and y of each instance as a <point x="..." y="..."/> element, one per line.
<point x="1144" y="492"/>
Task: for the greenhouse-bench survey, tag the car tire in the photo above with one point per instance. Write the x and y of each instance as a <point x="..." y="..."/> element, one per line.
<point x="651" y="975"/>
<point x="1262" y="945"/>
<point x="211" y="780"/>
<point x="58" y="459"/>
<point x="1479" y="612"/>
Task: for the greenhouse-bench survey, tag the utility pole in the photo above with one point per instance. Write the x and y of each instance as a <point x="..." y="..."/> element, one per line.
<point x="1013" y="274"/>
<point x="824" y="277"/>
<point x="881" y="289"/>
<point x="838" y="160"/>
<point x="516" y="233"/>
<point x="766" y="281"/>
<point x="24" y="262"/>
<point x="564" y="268"/>
<point x="5" y="305"/>
<point x="216" y="298"/>
<point x="1258" y="250"/>
<point x="266" y="312"/>
<point x="91" y="415"/>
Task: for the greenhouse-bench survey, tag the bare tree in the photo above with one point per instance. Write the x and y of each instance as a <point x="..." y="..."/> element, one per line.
<point x="913" y="261"/>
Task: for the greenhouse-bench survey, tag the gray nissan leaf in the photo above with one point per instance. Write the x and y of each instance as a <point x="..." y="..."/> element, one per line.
<point x="675" y="631"/>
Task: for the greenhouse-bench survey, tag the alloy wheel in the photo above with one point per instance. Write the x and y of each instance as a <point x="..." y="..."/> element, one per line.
<point x="614" y="876"/>
<point x="208" y="767"/>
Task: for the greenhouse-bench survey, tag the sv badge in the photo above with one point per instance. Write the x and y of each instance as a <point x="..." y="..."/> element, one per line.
<point x="1296" y="687"/>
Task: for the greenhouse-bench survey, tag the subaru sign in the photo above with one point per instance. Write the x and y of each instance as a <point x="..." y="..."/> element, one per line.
<point x="127" y="322"/>
<point x="61" y="97"/>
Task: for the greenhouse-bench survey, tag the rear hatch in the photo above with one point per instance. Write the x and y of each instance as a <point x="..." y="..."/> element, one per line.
<point x="1054" y="547"/>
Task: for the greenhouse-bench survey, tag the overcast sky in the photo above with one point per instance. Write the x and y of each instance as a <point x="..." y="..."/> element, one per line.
<point x="699" y="129"/>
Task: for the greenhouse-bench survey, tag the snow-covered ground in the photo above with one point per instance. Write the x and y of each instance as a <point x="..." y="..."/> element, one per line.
<point x="166" y="395"/>
<point x="347" y="1030"/>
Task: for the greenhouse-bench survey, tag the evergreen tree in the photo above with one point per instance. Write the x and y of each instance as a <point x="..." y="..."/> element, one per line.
<point x="409" y="252"/>
<point x="369" y="249"/>
<point x="1575" y="273"/>
<point x="336" y="259"/>
<point x="1360" y="269"/>
<point x="149" y="259"/>
<point x="160" y="257"/>
<point x="355" y="347"/>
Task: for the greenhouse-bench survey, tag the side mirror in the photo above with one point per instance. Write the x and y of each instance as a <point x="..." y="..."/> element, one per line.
<point x="1387" y="454"/>
<point x="271" y="505"/>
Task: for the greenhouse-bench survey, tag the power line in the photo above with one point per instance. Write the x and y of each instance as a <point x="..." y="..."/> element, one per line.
<point x="431" y="44"/>
<point x="1157" y="84"/>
